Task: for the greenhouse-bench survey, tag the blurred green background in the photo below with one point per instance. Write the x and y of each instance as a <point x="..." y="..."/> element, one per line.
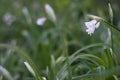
<point x="53" y="41"/>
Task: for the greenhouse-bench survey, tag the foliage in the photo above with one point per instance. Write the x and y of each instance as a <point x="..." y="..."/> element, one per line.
<point x="60" y="49"/>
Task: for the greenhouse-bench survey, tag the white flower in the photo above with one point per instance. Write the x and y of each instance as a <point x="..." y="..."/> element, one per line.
<point x="8" y="18"/>
<point x="29" y="68"/>
<point x="91" y="26"/>
<point x="50" y="12"/>
<point x="41" y="21"/>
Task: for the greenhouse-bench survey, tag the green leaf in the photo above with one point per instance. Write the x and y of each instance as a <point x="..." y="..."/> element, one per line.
<point x="109" y="58"/>
<point x="111" y="25"/>
<point x="109" y="72"/>
<point x="5" y="73"/>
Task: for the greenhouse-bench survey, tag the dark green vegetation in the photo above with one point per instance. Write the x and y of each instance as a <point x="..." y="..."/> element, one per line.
<point x="61" y="50"/>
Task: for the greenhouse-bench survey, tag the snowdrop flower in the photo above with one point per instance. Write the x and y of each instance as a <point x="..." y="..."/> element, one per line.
<point x="91" y="26"/>
<point x="29" y="68"/>
<point x="41" y="21"/>
<point x="8" y="18"/>
<point x="50" y="12"/>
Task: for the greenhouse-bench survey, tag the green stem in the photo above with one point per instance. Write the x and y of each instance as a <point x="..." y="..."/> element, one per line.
<point x="111" y="25"/>
<point x="111" y="35"/>
<point x="68" y="60"/>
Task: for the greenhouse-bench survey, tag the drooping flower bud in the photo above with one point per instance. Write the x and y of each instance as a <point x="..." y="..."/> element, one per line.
<point x="50" y="12"/>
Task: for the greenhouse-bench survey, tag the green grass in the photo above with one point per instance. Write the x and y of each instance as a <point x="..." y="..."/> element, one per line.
<point x="61" y="49"/>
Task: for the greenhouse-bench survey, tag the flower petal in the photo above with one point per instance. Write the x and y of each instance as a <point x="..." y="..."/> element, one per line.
<point x="93" y="21"/>
<point x="87" y="24"/>
<point x="90" y="31"/>
<point x="41" y="21"/>
<point x="97" y="25"/>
